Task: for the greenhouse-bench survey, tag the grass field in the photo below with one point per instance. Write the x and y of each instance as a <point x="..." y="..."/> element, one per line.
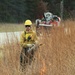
<point x="8" y="27"/>
<point x="55" y="57"/>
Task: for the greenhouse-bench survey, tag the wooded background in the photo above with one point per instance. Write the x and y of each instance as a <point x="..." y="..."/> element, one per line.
<point x="17" y="11"/>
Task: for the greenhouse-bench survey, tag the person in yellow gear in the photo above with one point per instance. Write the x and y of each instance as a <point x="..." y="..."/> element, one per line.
<point x="27" y="37"/>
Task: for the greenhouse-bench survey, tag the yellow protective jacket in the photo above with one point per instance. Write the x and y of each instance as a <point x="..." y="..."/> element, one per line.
<point x="24" y="38"/>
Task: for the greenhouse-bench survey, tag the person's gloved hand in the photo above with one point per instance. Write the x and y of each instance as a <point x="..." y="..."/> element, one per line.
<point x="29" y="38"/>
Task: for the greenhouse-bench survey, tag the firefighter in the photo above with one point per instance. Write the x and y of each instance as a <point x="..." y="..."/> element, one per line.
<point x="28" y="36"/>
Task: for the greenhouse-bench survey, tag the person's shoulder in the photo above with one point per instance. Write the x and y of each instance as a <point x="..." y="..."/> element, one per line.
<point x="22" y="33"/>
<point x="34" y="31"/>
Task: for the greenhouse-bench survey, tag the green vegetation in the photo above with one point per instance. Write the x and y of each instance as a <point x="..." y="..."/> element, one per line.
<point x="17" y="11"/>
<point x="68" y="7"/>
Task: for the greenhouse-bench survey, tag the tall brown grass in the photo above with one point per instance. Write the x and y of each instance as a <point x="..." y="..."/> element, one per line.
<point x="55" y="57"/>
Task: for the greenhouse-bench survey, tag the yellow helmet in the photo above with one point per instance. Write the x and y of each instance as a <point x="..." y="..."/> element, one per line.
<point x="28" y="22"/>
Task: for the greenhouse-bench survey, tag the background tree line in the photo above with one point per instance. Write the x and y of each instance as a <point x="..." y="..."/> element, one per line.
<point x="19" y="10"/>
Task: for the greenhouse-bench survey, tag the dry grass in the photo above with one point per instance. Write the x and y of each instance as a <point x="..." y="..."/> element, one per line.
<point x="55" y="57"/>
<point x="9" y="27"/>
